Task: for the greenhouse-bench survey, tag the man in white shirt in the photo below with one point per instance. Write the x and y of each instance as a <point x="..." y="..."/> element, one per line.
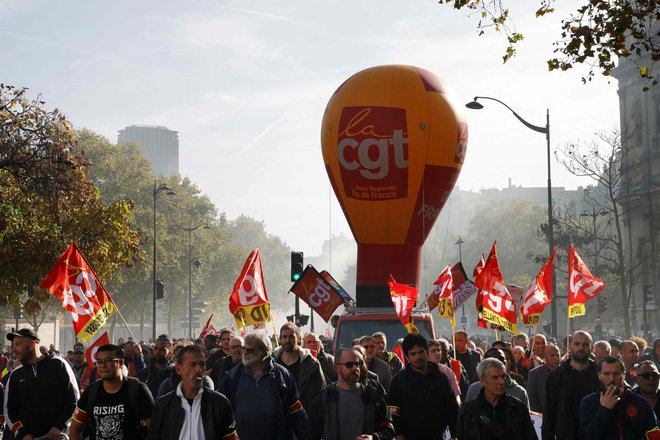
<point x="192" y="411"/>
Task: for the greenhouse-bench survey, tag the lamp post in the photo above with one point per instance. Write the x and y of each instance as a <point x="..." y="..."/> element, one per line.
<point x="551" y="239"/>
<point x="198" y="263"/>
<point x="157" y="189"/>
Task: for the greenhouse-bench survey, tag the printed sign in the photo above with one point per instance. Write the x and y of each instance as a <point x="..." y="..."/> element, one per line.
<point x="317" y="293"/>
<point x="373" y="152"/>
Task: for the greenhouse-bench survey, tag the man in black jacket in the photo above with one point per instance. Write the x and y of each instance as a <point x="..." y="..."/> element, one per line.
<point x="160" y="367"/>
<point x="348" y="409"/>
<point x="566" y="386"/>
<point x="41" y="392"/>
<point x="493" y="414"/>
<point x="192" y="411"/>
<point x="421" y="401"/>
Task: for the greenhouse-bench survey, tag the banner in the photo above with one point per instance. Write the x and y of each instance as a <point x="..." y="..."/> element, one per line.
<point x="403" y="299"/>
<point x="462" y="287"/>
<point x="582" y="285"/>
<point x="249" y="301"/>
<point x="539" y="294"/>
<point x="74" y="282"/>
<point x="317" y="293"/>
<point x="208" y="328"/>
<point x="498" y="305"/>
<point x="90" y="353"/>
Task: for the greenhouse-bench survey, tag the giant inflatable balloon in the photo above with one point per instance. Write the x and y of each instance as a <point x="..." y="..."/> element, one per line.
<point x="393" y="146"/>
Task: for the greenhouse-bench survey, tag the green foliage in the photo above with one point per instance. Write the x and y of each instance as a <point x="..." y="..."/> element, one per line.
<point x="47" y="202"/>
<point x="596" y="34"/>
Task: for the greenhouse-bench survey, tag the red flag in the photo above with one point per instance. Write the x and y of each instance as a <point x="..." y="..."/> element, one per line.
<point x="319" y="294"/>
<point x="90" y="353"/>
<point x="397" y="350"/>
<point x="490" y="277"/>
<point x="479" y="267"/>
<point x="539" y="294"/>
<point x="443" y="294"/>
<point x="404" y="298"/>
<point x="207" y="328"/>
<point x="582" y="286"/>
<point x="498" y="306"/>
<point x="249" y="301"/>
<point x="74" y="282"/>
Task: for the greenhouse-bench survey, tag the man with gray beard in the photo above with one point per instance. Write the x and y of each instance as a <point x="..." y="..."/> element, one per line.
<point x="264" y="395"/>
<point x="566" y="386"/>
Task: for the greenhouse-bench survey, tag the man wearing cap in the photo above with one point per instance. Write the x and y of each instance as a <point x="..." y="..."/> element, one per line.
<point x="41" y="392"/>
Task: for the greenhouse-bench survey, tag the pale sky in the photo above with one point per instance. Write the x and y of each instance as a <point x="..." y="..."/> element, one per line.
<point x="245" y="84"/>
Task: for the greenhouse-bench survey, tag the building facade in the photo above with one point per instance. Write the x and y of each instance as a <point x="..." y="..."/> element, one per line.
<point x="159" y="144"/>
<point x="640" y="128"/>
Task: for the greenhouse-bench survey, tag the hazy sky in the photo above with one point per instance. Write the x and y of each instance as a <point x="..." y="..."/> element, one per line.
<point x="245" y="84"/>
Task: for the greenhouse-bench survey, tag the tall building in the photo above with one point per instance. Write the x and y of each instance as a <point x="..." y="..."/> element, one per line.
<point x="159" y="145"/>
<point x="640" y="128"/>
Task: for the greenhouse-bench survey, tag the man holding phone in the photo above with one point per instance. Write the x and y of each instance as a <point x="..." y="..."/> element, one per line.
<point x="614" y="412"/>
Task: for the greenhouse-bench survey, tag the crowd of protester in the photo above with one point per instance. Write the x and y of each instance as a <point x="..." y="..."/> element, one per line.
<point x="254" y="388"/>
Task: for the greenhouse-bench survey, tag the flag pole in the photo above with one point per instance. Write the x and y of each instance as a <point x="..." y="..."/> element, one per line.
<point x="123" y="320"/>
<point x="270" y="318"/>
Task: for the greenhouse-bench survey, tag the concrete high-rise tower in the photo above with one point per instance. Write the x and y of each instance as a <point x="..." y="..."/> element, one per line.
<point x="159" y="145"/>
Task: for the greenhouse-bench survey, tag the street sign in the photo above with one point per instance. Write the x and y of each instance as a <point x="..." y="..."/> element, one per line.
<point x="463" y="319"/>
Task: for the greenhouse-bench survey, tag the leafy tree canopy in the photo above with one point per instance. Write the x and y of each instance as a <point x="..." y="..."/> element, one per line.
<point x="595" y="34"/>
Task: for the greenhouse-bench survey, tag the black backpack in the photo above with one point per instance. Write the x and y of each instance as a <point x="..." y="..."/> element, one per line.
<point x="133" y="393"/>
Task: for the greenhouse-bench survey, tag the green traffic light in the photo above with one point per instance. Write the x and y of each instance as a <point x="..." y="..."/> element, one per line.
<point x="296" y="276"/>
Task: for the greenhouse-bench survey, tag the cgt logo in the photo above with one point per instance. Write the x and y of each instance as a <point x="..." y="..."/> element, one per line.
<point x="372" y="150"/>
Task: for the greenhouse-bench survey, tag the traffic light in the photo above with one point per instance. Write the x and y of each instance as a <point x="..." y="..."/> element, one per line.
<point x="602" y="304"/>
<point x="302" y="319"/>
<point x="648" y="293"/>
<point x="296" y="266"/>
<point x="160" y="289"/>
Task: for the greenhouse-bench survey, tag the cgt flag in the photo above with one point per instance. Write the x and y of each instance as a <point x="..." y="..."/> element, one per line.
<point x="582" y="286"/>
<point x="498" y="305"/>
<point x="90" y="353"/>
<point x="443" y="291"/>
<point x="539" y="294"/>
<point x="403" y="299"/>
<point x="208" y="328"/>
<point x="318" y="293"/>
<point x="249" y="301"/>
<point x="74" y="282"/>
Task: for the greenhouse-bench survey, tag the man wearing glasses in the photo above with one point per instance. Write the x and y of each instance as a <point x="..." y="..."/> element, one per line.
<point x="222" y="366"/>
<point x="614" y="412"/>
<point x="648" y="378"/>
<point x="115" y="407"/>
<point x="349" y="409"/>
<point x="374" y="364"/>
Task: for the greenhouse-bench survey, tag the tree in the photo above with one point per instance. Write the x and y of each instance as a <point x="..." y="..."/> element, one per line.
<point x="595" y="34"/>
<point x="47" y="202"/>
<point x="601" y="161"/>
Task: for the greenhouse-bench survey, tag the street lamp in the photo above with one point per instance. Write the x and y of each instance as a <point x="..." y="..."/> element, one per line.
<point x="545" y="130"/>
<point x="198" y="264"/>
<point x="157" y="190"/>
